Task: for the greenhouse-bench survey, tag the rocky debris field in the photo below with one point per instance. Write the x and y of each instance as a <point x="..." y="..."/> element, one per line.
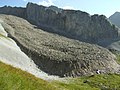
<point x="11" y="54"/>
<point x="57" y="55"/>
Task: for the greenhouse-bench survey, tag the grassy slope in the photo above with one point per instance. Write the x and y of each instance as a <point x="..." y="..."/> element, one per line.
<point x="15" y="79"/>
<point x="96" y="82"/>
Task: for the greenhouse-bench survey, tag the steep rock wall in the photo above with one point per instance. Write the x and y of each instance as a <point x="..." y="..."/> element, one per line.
<point x="16" y="11"/>
<point x="72" y="23"/>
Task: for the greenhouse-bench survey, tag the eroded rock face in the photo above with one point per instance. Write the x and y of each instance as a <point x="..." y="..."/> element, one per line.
<point x="17" y="11"/>
<point x="73" y="24"/>
<point x="58" y="55"/>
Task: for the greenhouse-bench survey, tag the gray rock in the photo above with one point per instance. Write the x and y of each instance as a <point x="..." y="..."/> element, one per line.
<point x="17" y="11"/>
<point x="73" y="24"/>
<point x="115" y="18"/>
<point x="57" y="55"/>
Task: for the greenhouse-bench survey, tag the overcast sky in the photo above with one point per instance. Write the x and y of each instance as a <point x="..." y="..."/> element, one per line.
<point x="106" y="7"/>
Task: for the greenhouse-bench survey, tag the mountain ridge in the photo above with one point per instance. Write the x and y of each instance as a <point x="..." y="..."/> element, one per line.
<point x="115" y="19"/>
<point x="74" y="24"/>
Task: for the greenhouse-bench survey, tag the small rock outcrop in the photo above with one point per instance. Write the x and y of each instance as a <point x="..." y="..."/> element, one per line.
<point x="57" y="55"/>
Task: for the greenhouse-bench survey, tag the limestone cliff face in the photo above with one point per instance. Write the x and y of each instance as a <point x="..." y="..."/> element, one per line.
<point x="17" y="11"/>
<point x="72" y="23"/>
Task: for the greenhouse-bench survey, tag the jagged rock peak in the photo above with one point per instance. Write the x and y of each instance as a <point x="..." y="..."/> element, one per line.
<point x="116" y="13"/>
<point x="115" y="18"/>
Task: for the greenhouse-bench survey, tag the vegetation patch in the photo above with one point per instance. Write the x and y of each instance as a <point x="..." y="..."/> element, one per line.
<point x="94" y="82"/>
<point x="15" y="79"/>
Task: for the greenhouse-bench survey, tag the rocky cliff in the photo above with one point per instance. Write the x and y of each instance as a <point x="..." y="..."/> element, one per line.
<point x="57" y="55"/>
<point x="74" y="24"/>
<point x="115" y="18"/>
<point x="16" y="11"/>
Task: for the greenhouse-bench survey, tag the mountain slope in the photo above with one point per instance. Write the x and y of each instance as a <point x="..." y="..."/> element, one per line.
<point x="11" y="54"/>
<point x="15" y="79"/>
<point x="57" y="55"/>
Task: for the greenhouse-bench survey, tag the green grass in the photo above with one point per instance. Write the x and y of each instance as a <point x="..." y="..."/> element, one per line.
<point x="15" y="79"/>
<point x="74" y="84"/>
<point x="105" y="82"/>
<point x="96" y="82"/>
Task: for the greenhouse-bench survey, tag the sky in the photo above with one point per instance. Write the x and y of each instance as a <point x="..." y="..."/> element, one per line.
<point x="105" y="7"/>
